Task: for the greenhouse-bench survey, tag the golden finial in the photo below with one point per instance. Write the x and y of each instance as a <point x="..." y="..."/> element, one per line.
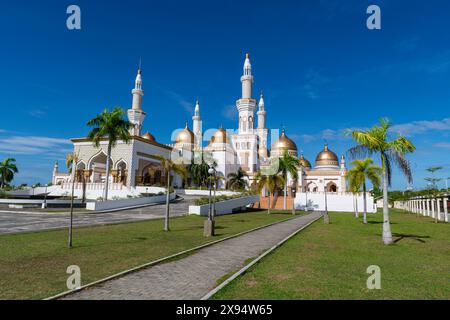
<point x="247" y="56"/>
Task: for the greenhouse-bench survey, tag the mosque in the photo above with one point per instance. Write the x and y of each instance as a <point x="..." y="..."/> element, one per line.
<point x="134" y="163"/>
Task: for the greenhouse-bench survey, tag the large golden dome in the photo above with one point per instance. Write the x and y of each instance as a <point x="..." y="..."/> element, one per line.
<point x="284" y="144"/>
<point x="185" y="136"/>
<point x="220" y="136"/>
<point x="304" y="162"/>
<point x="149" y="136"/>
<point x="327" y="158"/>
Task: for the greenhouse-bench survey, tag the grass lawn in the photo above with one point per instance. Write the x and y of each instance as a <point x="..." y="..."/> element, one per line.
<point x="330" y="262"/>
<point x="33" y="265"/>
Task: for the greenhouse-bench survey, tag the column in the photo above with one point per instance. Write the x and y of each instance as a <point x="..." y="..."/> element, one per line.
<point x="433" y="211"/>
<point x="427" y="207"/>
<point x="445" y="209"/>
<point x="438" y="207"/>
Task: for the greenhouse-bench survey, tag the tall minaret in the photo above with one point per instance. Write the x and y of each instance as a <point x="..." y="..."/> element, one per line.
<point x="197" y="126"/>
<point x="136" y="115"/>
<point x="246" y="105"/>
<point x="262" y="130"/>
<point x="246" y="141"/>
<point x="55" y="172"/>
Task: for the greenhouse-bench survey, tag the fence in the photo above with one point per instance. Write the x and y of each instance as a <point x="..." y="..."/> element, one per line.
<point x="429" y="206"/>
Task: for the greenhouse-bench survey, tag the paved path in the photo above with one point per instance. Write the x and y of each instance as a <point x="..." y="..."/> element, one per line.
<point x="194" y="276"/>
<point x="24" y="222"/>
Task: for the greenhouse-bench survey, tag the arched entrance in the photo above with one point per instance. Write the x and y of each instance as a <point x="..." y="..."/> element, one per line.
<point x="98" y="166"/>
<point x="331" y="187"/>
<point x="312" y="187"/>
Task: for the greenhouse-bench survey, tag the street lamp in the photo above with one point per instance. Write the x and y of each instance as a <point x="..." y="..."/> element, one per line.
<point x="293" y="191"/>
<point x="44" y="205"/>
<point x="326" y="217"/>
<point x="208" y="230"/>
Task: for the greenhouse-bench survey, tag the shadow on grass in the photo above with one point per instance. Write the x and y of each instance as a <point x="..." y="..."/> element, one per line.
<point x="401" y="236"/>
<point x="379" y="222"/>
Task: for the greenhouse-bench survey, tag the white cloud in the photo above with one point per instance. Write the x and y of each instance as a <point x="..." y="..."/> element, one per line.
<point x="187" y="106"/>
<point x="315" y="82"/>
<point x="327" y="135"/>
<point x="443" y="145"/>
<point x="33" y="145"/>
<point x="38" y="113"/>
<point x="418" y="127"/>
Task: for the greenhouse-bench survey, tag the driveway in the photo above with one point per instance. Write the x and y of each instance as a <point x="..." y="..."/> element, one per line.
<point x="15" y="222"/>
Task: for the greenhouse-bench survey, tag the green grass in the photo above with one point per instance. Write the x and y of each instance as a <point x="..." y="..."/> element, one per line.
<point x="330" y="262"/>
<point x="33" y="265"/>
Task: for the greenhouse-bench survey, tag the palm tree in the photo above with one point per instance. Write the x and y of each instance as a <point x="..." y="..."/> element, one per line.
<point x="375" y="140"/>
<point x="355" y="192"/>
<point x="199" y="173"/>
<point x="169" y="166"/>
<point x="357" y="176"/>
<point x="7" y="170"/>
<point x="237" y="181"/>
<point x="109" y="126"/>
<point x="288" y="164"/>
<point x="272" y="182"/>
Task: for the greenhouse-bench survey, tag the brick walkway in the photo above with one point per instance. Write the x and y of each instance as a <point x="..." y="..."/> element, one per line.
<point x="194" y="276"/>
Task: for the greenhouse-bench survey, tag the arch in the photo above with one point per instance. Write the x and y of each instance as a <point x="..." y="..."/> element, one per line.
<point x="98" y="157"/>
<point x="120" y="162"/>
<point x="122" y="171"/>
<point x="331" y="187"/>
<point x="312" y="187"/>
<point x="97" y="164"/>
<point x="152" y="174"/>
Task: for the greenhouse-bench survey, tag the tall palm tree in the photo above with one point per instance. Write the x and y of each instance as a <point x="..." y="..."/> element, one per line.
<point x="364" y="170"/>
<point x="355" y="192"/>
<point x="237" y="181"/>
<point x="272" y="183"/>
<point x="170" y="166"/>
<point x="112" y="127"/>
<point x="376" y="140"/>
<point x="7" y="170"/>
<point x="288" y="164"/>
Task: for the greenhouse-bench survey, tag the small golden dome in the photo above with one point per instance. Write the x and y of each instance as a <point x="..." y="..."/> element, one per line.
<point x="220" y="136"/>
<point x="327" y="158"/>
<point x="284" y="144"/>
<point x="149" y="136"/>
<point x="185" y="136"/>
<point x="304" y="162"/>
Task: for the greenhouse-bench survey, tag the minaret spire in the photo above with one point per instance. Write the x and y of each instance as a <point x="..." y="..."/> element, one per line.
<point x="136" y="115"/>
<point x="197" y="126"/>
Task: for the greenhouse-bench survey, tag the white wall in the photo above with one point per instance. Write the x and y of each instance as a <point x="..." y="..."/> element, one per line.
<point x="195" y="192"/>
<point x="340" y="202"/>
<point x="224" y="207"/>
<point x="126" y="203"/>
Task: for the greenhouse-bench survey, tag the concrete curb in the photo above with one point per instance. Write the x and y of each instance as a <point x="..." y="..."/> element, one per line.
<point x="152" y="263"/>
<point x="255" y="261"/>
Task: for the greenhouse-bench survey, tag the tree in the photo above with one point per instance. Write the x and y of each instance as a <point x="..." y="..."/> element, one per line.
<point x="70" y="157"/>
<point x="7" y="170"/>
<point x="376" y="140"/>
<point x="433" y="180"/>
<point x="170" y="166"/>
<point x="363" y="170"/>
<point x="355" y="192"/>
<point x="237" y="181"/>
<point x="112" y="127"/>
<point x="288" y="164"/>
<point x="272" y="183"/>
<point x="199" y="173"/>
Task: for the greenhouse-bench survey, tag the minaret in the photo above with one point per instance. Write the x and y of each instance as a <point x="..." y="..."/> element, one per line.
<point x="262" y="130"/>
<point x="55" y="172"/>
<point x="246" y="105"/>
<point x="343" y="175"/>
<point x="246" y="141"/>
<point x="261" y="113"/>
<point x="197" y="126"/>
<point x="136" y="115"/>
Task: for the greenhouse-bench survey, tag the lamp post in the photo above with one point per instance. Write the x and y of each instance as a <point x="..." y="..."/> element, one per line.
<point x="326" y="217"/>
<point x="208" y="230"/>
<point x="44" y="205"/>
<point x="293" y="190"/>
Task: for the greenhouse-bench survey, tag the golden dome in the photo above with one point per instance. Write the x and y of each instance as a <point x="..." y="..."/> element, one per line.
<point x="220" y="136"/>
<point x="327" y="158"/>
<point x="284" y="144"/>
<point x="304" y="162"/>
<point x="149" y="136"/>
<point x="185" y="136"/>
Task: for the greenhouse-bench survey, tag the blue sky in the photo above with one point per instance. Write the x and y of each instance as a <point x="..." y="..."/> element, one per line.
<point x="320" y="68"/>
